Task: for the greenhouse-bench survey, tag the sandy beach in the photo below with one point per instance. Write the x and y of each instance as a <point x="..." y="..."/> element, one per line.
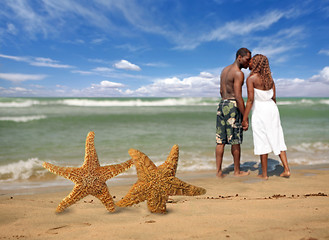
<point x="232" y="208"/>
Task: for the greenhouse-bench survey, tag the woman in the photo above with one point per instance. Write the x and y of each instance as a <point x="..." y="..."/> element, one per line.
<point x="266" y="126"/>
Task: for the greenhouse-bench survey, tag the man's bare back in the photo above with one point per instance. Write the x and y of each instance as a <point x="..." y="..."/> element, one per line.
<point x="227" y="81"/>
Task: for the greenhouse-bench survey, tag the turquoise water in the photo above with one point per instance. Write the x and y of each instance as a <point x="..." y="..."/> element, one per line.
<point x="34" y="130"/>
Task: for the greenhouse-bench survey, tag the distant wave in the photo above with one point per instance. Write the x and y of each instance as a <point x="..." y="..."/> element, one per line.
<point x="324" y="101"/>
<point x="311" y="147"/>
<point x="137" y="102"/>
<point x="18" y="104"/>
<point x="303" y="101"/>
<point x="23" y="118"/>
<point x="116" y="102"/>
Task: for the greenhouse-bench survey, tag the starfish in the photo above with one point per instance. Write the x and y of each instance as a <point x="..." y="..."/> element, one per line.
<point x="156" y="184"/>
<point x="90" y="178"/>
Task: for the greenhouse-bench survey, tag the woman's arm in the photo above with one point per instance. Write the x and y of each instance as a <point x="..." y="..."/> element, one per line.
<point x="274" y="96"/>
<point x="250" y="100"/>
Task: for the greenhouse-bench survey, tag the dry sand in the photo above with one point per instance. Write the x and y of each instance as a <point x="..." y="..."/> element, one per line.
<point x="233" y="208"/>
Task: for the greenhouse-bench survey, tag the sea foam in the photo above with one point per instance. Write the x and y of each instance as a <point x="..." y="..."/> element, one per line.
<point x="19" y="104"/>
<point x="310" y="147"/>
<point x="23" y="118"/>
<point x="137" y="102"/>
<point x="22" y="170"/>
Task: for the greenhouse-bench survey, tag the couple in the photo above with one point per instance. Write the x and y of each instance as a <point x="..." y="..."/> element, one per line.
<point x="232" y="114"/>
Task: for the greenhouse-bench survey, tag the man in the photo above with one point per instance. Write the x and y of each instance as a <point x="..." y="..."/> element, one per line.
<point x="230" y="111"/>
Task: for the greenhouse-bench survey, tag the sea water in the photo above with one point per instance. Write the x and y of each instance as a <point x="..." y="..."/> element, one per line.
<point x="34" y="130"/>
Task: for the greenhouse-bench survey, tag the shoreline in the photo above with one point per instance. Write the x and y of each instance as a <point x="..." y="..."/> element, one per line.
<point x="232" y="208"/>
<point x="31" y="187"/>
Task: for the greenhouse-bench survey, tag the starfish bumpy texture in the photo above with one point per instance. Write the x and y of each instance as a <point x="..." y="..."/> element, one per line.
<point x="90" y="178"/>
<point x="156" y="184"/>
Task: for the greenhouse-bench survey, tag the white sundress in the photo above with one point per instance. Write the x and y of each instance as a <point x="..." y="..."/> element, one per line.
<point x="266" y="125"/>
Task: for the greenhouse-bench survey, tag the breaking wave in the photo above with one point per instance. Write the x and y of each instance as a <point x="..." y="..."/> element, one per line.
<point x="23" y="118"/>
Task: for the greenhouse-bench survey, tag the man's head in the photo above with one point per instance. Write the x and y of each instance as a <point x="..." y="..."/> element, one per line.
<point x="243" y="56"/>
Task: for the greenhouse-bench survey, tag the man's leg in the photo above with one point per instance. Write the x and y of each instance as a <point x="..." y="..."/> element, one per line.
<point x="236" y="153"/>
<point x="219" y="159"/>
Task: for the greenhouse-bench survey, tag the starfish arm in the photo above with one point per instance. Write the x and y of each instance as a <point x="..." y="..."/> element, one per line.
<point x="113" y="170"/>
<point x="76" y="194"/>
<point x="169" y="167"/>
<point x="67" y="172"/>
<point x="179" y="187"/>
<point x="136" y="194"/>
<point x="144" y="165"/>
<point x="105" y="197"/>
<point x="91" y="159"/>
<point x="156" y="202"/>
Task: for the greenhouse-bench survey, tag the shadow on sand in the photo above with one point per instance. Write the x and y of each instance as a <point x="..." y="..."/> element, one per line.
<point x="273" y="167"/>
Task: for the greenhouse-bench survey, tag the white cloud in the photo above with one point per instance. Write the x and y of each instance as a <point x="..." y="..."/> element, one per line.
<point x="322" y="77"/>
<point x="280" y="45"/>
<point x="158" y="64"/>
<point x="47" y="62"/>
<point x="205" y="84"/>
<point x="108" y="84"/>
<point x="11" y="29"/>
<point x="15" y="58"/>
<point x="324" y="51"/>
<point x="102" y="69"/>
<point x="37" y="61"/>
<point x="82" y="72"/>
<point x="315" y="86"/>
<point x="237" y="28"/>
<point x="124" y="64"/>
<point x="229" y="30"/>
<point x="20" y="89"/>
<point x="15" y="91"/>
<point x="17" y="77"/>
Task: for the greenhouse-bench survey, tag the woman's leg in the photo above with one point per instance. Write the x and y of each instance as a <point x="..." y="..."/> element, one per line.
<point x="263" y="161"/>
<point x="286" y="171"/>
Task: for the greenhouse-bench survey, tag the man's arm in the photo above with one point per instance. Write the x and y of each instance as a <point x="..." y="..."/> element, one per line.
<point x="238" y="82"/>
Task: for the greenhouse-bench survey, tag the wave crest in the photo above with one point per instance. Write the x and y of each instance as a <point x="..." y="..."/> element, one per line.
<point x="23" y="118"/>
<point x="22" y="170"/>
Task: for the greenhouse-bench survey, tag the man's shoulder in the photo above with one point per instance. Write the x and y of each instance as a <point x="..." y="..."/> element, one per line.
<point x="238" y="73"/>
<point x="225" y="69"/>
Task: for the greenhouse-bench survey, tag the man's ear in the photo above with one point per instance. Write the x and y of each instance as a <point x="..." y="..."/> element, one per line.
<point x="239" y="58"/>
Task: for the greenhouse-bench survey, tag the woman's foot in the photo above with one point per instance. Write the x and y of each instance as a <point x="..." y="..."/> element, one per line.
<point x="285" y="174"/>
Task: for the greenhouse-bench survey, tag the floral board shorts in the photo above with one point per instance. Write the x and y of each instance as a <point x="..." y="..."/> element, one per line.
<point x="229" y="123"/>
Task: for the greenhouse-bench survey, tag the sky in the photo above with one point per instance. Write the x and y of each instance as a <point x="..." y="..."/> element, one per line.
<point x="162" y="48"/>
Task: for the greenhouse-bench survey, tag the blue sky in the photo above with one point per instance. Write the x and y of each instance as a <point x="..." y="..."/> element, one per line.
<point x="163" y="48"/>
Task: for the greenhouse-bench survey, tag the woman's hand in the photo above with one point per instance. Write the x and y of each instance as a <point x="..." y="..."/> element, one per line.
<point x="245" y="125"/>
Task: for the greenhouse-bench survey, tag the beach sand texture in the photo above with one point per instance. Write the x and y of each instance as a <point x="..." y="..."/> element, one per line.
<point x="232" y="208"/>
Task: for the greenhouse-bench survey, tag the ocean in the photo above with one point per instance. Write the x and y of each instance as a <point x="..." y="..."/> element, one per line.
<point x="34" y="130"/>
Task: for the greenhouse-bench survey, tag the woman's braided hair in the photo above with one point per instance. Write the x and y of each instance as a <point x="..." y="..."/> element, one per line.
<point x="261" y="66"/>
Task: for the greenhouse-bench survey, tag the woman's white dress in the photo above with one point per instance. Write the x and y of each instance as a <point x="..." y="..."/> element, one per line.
<point x="266" y="124"/>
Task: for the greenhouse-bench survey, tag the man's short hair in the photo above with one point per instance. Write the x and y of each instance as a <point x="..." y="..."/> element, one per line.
<point x="242" y="52"/>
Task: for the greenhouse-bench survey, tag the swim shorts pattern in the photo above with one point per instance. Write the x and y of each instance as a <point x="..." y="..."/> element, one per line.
<point x="229" y="123"/>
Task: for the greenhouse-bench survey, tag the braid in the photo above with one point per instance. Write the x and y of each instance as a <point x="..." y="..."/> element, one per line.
<point x="261" y="66"/>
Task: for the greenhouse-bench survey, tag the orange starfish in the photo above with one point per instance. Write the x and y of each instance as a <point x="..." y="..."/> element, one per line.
<point x="155" y="184"/>
<point x="90" y="178"/>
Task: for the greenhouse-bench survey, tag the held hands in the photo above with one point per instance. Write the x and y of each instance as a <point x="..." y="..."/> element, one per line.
<point x="245" y="125"/>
